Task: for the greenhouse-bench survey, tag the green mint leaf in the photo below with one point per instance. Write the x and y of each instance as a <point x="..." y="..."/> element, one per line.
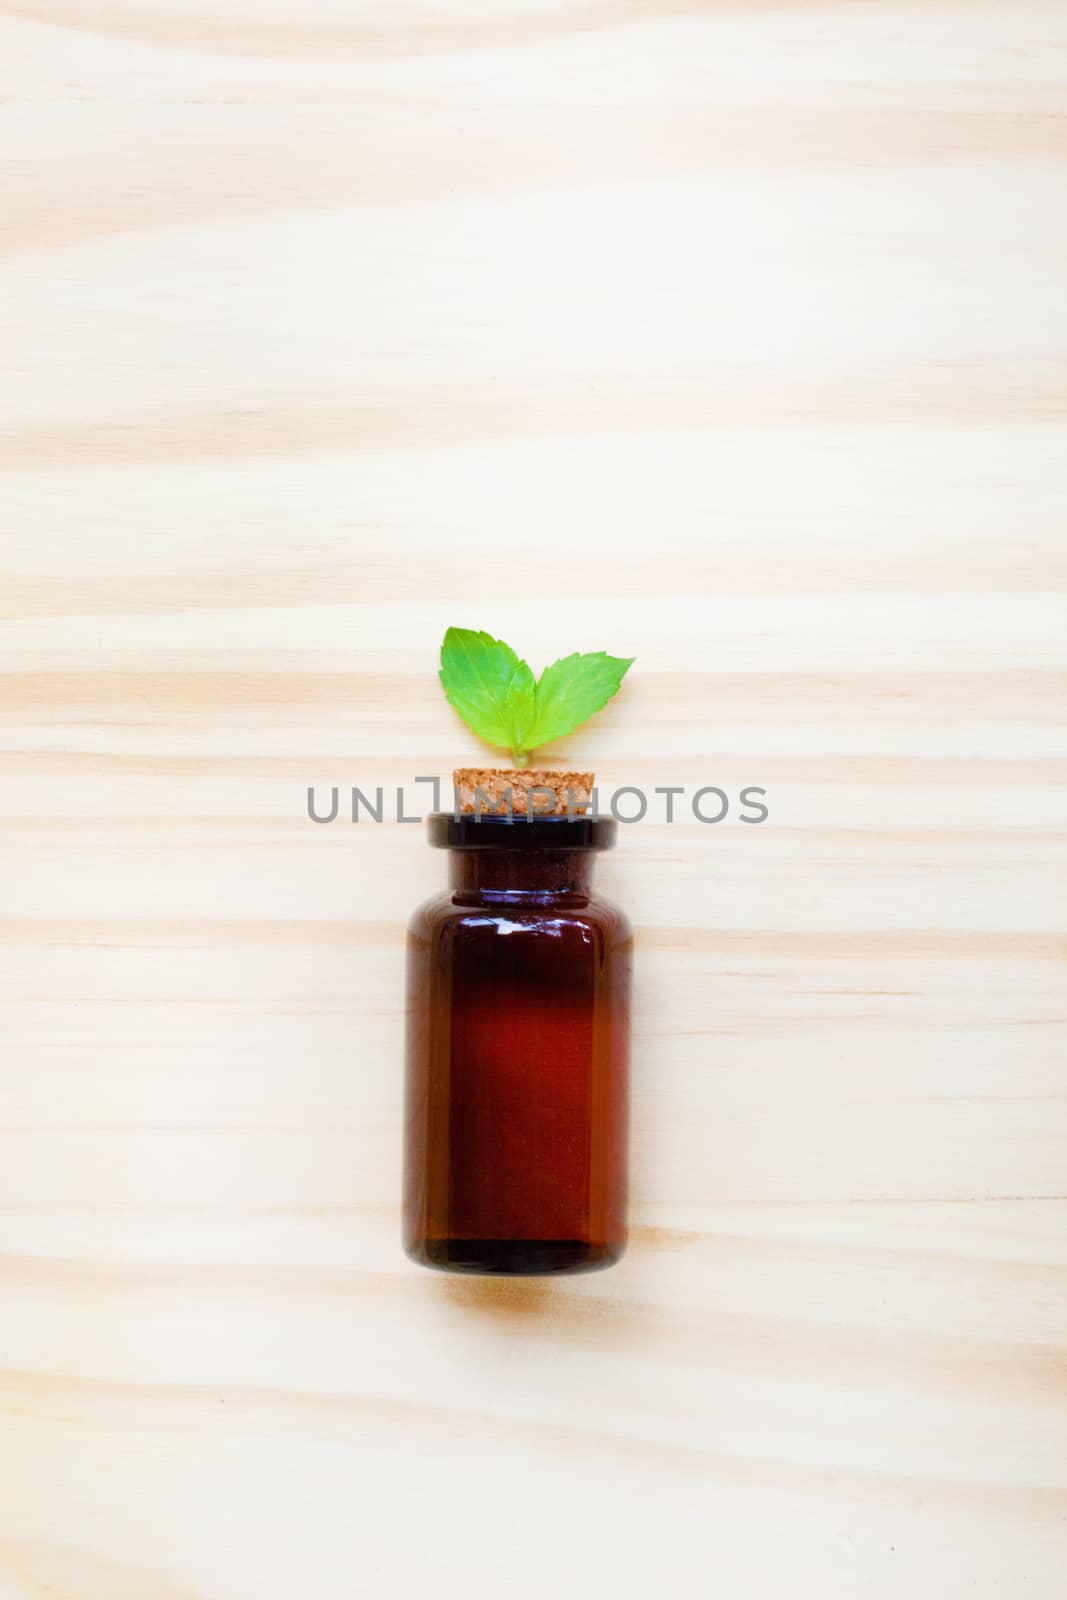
<point x="494" y="691"/>
<point x="571" y="690"/>
<point x="491" y="687"/>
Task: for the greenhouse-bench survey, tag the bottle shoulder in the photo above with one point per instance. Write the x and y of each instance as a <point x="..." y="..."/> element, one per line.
<point x="445" y="911"/>
<point x="614" y="921"/>
<point x="429" y="915"/>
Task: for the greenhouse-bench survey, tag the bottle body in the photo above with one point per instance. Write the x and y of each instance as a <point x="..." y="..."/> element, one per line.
<point x="517" y="1094"/>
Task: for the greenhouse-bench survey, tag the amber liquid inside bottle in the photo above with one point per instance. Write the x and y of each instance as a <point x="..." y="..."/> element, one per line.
<point x="517" y="1054"/>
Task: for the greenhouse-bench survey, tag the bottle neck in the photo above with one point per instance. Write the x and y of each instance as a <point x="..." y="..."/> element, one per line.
<point x="520" y="874"/>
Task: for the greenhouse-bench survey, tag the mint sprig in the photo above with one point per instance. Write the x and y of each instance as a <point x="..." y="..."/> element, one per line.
<point x="494" y="691"/>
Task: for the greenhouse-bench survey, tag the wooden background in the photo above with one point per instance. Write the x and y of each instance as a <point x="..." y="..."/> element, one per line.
<point x="730" y="336"/>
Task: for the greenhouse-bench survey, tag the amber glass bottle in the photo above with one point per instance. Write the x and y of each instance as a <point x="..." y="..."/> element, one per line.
<point x="516" y="1119"/>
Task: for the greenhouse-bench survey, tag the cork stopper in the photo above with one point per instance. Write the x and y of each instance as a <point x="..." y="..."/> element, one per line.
<point x="533" y="789"/>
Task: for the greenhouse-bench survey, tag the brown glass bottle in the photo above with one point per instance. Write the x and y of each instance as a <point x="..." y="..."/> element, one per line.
<point x="516" y="1122"/>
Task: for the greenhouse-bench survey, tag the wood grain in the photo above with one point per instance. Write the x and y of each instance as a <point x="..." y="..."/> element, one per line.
<point x="727" y="336"/>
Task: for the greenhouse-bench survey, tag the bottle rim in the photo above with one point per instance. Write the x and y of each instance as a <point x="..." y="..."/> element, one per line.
<point x="468" y="831"/>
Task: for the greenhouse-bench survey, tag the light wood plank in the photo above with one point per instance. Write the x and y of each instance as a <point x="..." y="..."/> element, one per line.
<point x="727" y="336"/>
